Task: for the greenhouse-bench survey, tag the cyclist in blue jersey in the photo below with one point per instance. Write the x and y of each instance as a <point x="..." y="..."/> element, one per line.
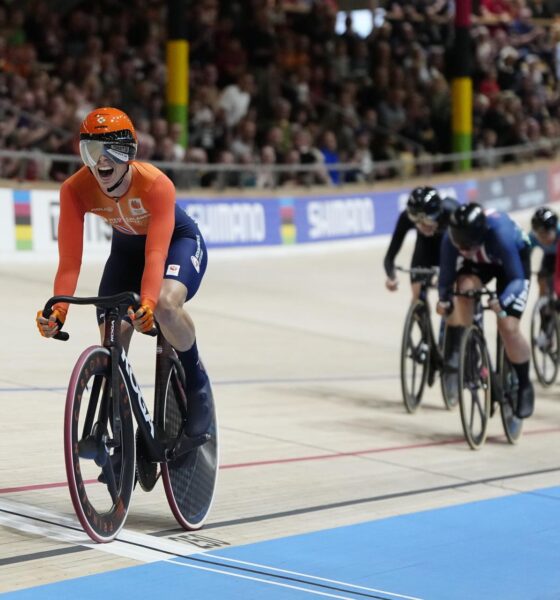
<point x="544" y="234"/>
<point x="479" y="246"/>
<point x="429" y="214"/>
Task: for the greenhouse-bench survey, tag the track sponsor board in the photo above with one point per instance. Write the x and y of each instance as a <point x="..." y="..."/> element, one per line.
<point x="29" y="218"/>
<point x="519" y="191"/>
<point x="235" y="222"/>
<point x="326" y="218"/>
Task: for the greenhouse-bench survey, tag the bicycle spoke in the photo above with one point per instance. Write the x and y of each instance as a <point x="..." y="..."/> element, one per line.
<point x="544" y="341"/>
<point x="414" y="356"/>
<point x="474" y="392"/>
<point x="92" y="406"/>
<point x="109" y="474"/>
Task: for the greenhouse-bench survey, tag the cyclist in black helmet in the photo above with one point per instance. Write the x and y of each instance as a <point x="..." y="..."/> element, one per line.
<point x="429" y="214"/>
<point x="544" y="234"/>
<point x="479" y="246"/>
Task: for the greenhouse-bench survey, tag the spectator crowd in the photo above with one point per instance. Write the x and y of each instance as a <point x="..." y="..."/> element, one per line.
<point x="274" y="86"/>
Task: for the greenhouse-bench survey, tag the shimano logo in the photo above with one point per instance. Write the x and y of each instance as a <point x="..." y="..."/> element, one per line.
<point x="136" y="389"/>
<point x="232" y="222"/>
<point x="340" y="218"/>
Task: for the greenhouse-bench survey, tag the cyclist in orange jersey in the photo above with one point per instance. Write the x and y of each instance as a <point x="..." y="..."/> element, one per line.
<point x="157" y="250"/>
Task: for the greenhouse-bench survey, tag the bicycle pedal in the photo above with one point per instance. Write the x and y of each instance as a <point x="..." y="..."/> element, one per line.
<point x="92" y="449"/>
<point x="88" y="448"/>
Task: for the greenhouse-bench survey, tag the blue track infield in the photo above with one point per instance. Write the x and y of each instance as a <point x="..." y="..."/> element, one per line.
<point x="502" y="549"/>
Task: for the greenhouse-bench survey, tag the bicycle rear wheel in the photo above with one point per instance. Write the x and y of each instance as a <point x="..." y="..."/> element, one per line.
<point x="190" y="480"/>
<point x="89" y="443"/>
<point x="508" y="403"/>
<point x="415" y="355"/>
<point x="474" y="387"/>
<point x="545" y="341"/>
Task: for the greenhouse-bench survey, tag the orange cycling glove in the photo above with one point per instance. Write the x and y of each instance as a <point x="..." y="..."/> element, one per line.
<point x="143" y="318"/>
<point x="51" y="326"/>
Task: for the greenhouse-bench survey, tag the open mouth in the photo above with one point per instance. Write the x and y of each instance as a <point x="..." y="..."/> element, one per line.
<point x="105" y="172"/>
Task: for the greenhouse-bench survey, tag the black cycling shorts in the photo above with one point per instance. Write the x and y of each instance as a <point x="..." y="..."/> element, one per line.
<point x="486" y="272"/>
<point x="186" y="262"/>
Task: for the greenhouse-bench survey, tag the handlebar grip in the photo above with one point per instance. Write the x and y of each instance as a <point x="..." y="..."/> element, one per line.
<point x="62" y="336"/>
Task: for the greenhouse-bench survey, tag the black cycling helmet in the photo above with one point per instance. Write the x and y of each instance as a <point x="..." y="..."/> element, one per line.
<point x="544" y="218"/>
<point x="467" y="226"/>
<point x="424" y="202"/>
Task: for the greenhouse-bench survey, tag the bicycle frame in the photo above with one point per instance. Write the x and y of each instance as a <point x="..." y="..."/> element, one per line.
<point x="424" y="298"/>
<point x="158" y="450"/>
<point x="425" y="284"/>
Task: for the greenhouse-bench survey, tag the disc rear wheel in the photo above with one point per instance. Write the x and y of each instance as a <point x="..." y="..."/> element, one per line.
<point x="189" y="480"/>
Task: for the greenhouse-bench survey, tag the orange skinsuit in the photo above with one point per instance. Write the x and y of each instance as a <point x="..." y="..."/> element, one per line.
<point x="148" y="208"/>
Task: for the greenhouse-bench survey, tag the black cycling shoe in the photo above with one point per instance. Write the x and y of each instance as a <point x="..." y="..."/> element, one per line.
<point x="525" y="401"/>
<point x="199" y="411"/>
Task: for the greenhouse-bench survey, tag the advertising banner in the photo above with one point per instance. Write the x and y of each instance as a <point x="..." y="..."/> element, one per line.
<point x="554" y="184"/>
<point x="514" y="192"/>
<point x="29" y="218"/>
<point x="44" y="222"/>
<point x="333" y="218"/>
<point x="325" y="218"/>
<point x="236" y="221"/>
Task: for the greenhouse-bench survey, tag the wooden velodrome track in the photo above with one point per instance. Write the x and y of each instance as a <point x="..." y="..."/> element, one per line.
<point x="303" y="349"/>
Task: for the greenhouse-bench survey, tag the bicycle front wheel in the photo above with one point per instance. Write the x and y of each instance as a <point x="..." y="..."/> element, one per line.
<point x="190" y="480"/>
<point x="415" y="355"/>
<point x="91" y="451"/>
<point x="474" y="387"/>
<point x="449" y="374"/>
<point x="513" y="425"/>
<point x="545" y="341"/>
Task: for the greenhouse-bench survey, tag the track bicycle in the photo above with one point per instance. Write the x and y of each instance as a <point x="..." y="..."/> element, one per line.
<point x="481" y="387"/>
<point x="545" y="338"/>
<point x="421" y="356"/>
<point x="102" y="399"/>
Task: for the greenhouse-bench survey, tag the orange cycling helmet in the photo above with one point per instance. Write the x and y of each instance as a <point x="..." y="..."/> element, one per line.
<point x="109" y="132"/>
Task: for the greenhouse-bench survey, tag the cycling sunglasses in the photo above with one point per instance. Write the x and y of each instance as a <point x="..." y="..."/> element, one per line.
<point x="423" y="218"/>
<point x="92" y="150"/>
